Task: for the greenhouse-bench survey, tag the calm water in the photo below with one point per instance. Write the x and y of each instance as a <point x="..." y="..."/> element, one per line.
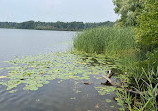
<point x="53" y="96"/>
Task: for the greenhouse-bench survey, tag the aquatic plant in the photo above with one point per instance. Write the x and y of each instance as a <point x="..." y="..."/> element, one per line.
<point x="36" y="71"/>
<point x="105" y="90"/>
<point x="114" y="43"/>
<point x="106" y="40"/>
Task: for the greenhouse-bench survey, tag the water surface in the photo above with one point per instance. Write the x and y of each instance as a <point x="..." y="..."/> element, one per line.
<point x="68" y="95"/>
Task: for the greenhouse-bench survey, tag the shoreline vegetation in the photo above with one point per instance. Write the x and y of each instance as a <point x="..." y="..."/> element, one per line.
<point x="60" y="26"/>
<point x="132" y="43"/>
<point x="118" y="44"/>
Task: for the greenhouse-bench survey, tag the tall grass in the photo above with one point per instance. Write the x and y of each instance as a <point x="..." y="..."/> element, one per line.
<point x="105" y="40"/>
<point x="116" y="43"/>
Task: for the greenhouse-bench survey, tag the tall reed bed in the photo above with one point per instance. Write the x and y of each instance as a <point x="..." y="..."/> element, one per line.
<point x="105" y="40"/>
<point x="116" y="43"/>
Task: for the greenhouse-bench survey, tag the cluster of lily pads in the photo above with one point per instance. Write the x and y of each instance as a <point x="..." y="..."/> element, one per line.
<point x="105" y="90"/>
<point x="35" y="71"/>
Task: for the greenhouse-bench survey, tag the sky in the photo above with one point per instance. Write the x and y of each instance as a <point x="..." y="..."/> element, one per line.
<point x="57" y="10"/>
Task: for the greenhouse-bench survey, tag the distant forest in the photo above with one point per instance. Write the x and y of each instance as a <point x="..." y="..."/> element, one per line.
<point x="66" y="26"/>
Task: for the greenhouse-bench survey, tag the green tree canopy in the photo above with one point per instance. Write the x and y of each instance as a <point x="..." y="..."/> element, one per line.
<point x="147" y="25"/>
<point x="128" y="10"/>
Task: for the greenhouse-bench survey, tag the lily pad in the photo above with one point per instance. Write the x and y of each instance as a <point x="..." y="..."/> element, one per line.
<point x="108" y="100"/>
<point x="35" y="71"/>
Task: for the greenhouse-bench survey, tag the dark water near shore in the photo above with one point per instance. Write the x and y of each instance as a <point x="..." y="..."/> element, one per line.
<point x="53" y="96"/>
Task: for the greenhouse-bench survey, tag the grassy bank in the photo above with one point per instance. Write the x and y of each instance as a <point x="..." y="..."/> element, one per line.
<point x="119" y="44"/>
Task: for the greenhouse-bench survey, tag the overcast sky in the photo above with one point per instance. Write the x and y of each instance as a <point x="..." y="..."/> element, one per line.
<point x="57" y="10"/>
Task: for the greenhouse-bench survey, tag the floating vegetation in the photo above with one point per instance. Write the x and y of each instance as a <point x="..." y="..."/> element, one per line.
<point x="3" y="77"/>
<point x="108" y="100"/>
<point x="76" y="91"/>
<point x="35" y="71"/>
<point x="12" y="91"/>
<point x="73" y="98"/>
<point x="105" y="89"/>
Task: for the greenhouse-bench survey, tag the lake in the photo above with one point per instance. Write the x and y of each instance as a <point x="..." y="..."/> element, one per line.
<point x="68" y="95"/>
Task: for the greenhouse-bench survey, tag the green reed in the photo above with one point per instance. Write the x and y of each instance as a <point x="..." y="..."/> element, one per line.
<point x="105" y="40"/>
<point x="115" y="43"/>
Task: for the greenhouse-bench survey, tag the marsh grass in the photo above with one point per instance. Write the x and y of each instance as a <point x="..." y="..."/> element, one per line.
<point x="107" y="40"/>
<point x="112" y="42"/>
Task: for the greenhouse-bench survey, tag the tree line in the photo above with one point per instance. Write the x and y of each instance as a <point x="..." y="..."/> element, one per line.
<point x="66" y="26"/>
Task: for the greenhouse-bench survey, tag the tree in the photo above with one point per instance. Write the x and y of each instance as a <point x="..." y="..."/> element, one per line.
<point x="128" y="9"/>
<point x="147" y="25"/>
<point x="147" y="33"/>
